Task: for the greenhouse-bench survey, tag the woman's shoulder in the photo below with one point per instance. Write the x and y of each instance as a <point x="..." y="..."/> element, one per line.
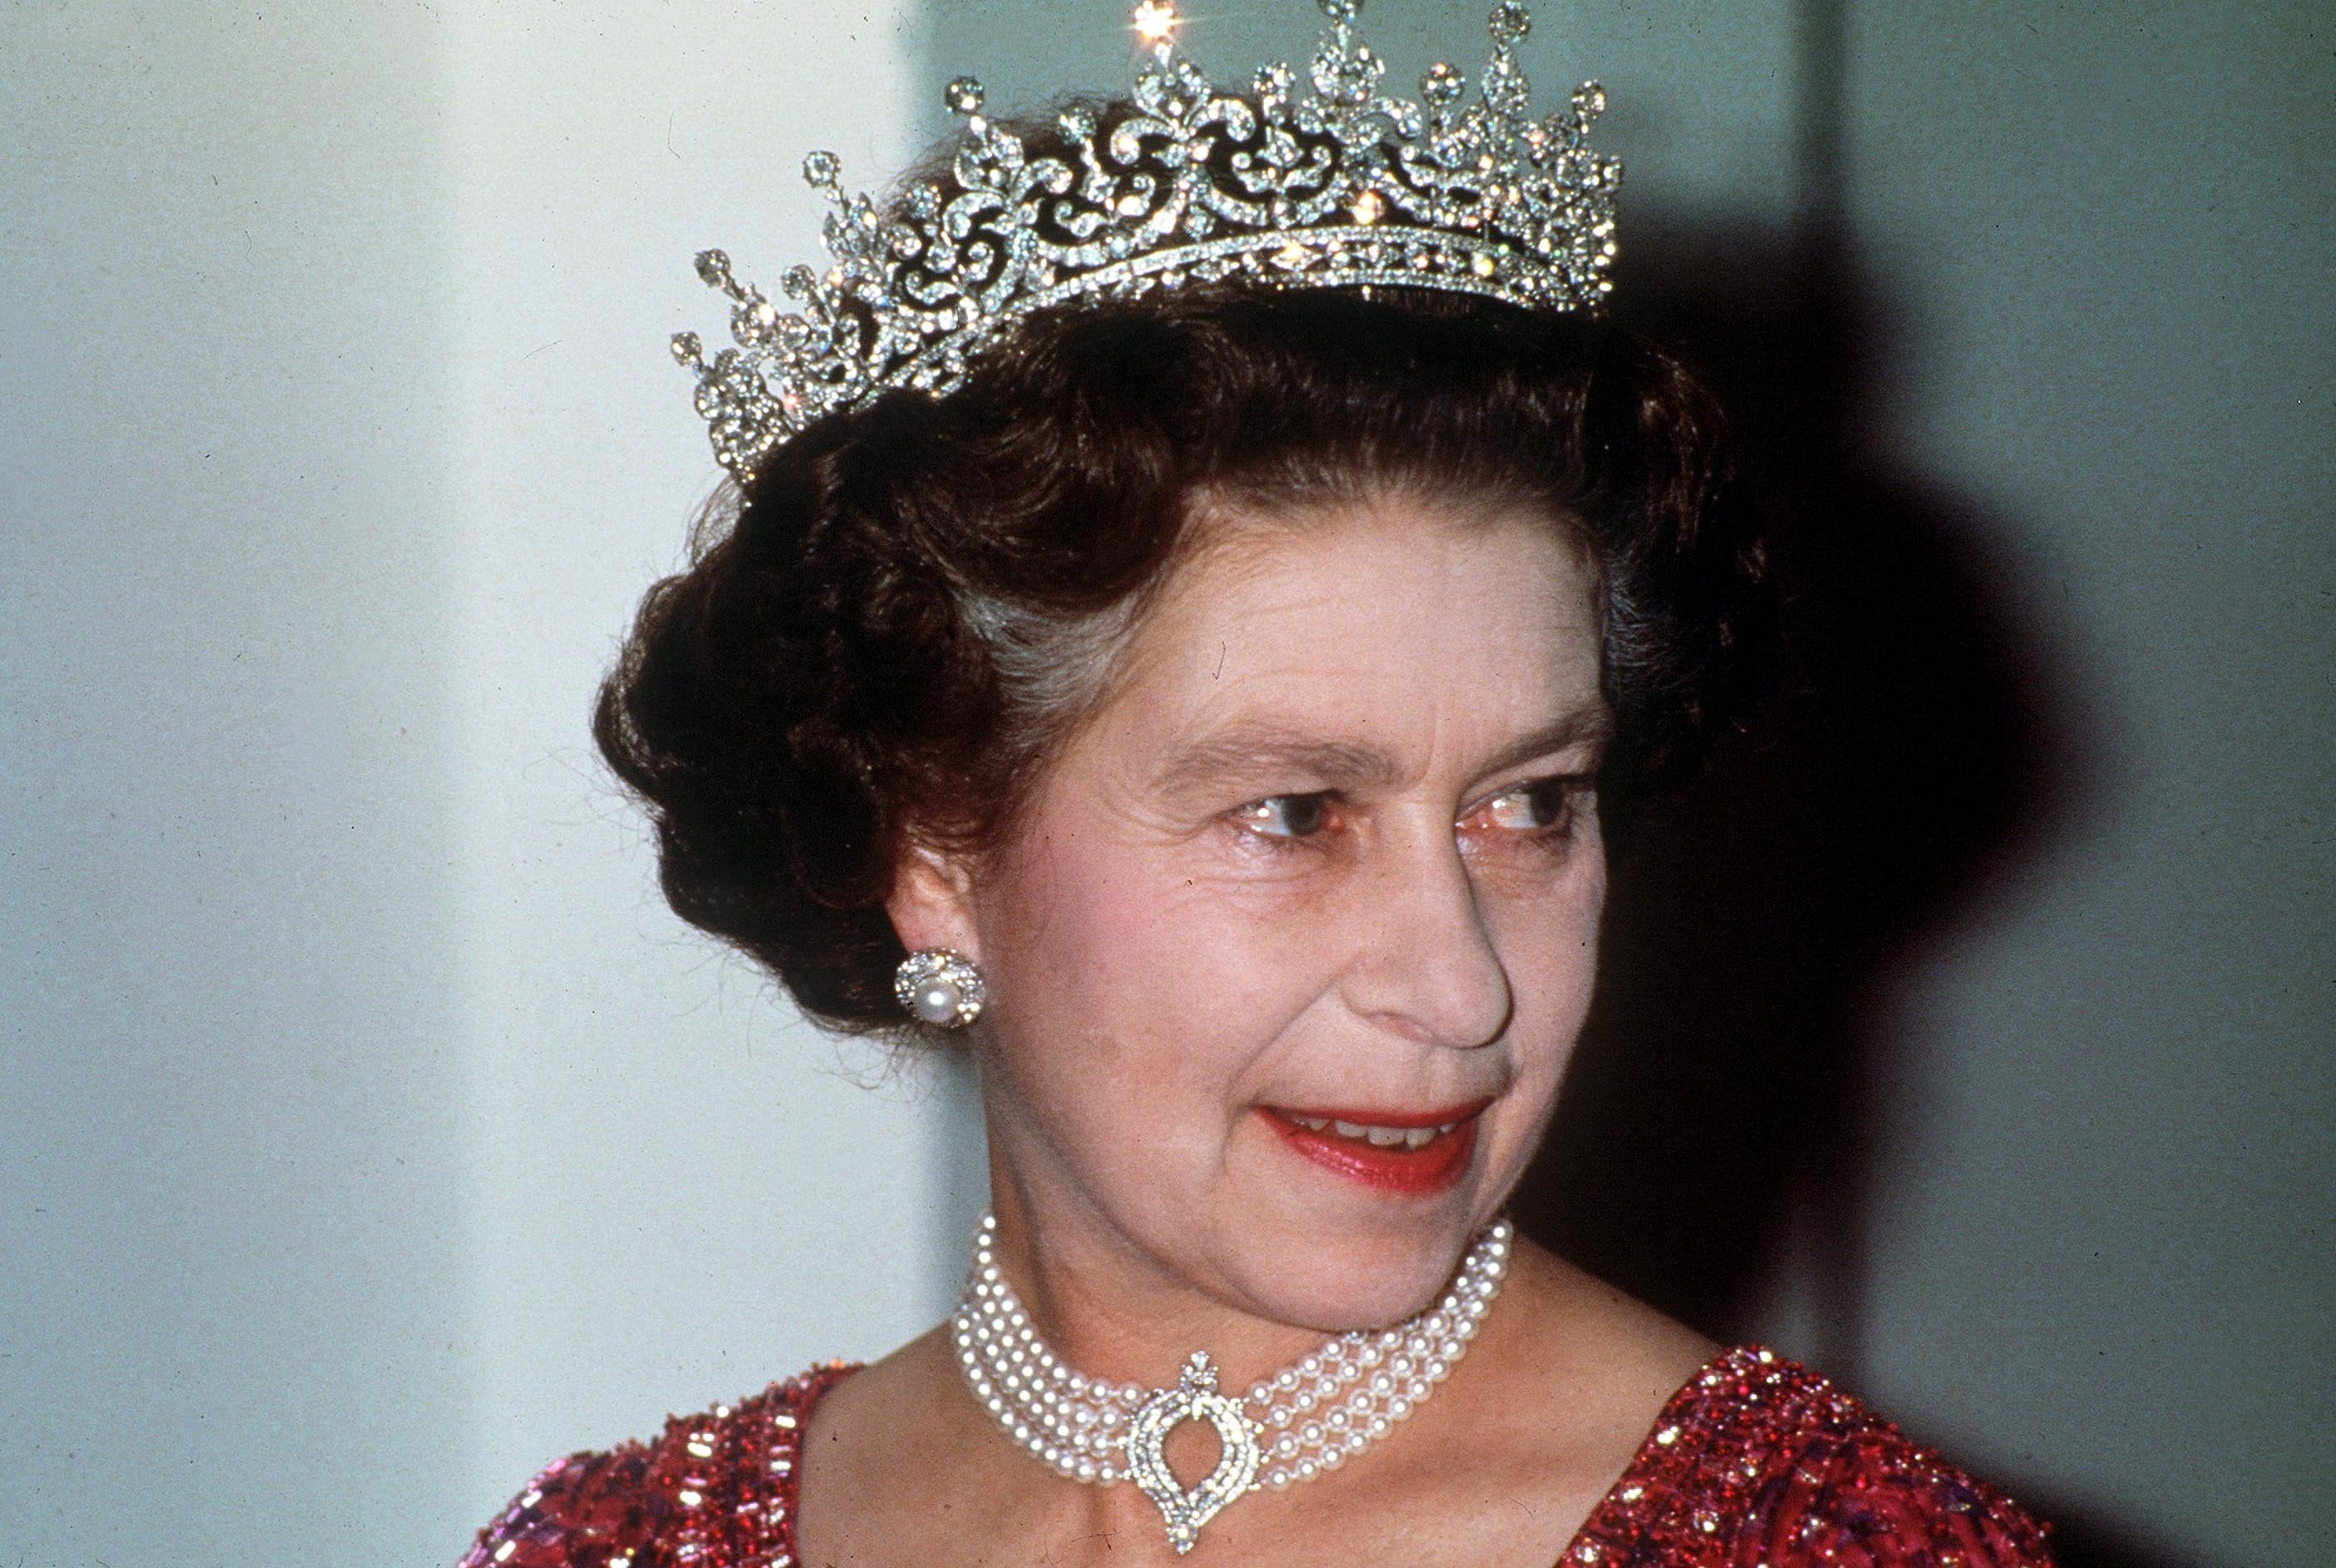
<point x="1757" y="1458"/>
<point x="713" y="1490"/>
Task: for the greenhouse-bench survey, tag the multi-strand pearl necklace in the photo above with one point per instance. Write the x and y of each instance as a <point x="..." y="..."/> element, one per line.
<point x="1305" y="1419"/>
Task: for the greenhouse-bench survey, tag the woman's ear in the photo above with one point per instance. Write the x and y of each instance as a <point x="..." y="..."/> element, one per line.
<point x="931" y="902"/>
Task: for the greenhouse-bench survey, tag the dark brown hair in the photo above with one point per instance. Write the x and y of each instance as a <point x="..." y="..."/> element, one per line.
<point x="899" y="618"/>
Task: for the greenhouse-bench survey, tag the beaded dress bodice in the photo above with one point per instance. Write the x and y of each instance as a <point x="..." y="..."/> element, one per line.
<point x="1756" y="1462"/>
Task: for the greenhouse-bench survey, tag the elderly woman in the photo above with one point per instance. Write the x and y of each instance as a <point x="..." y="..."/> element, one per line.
<point x="1202" y="576"/>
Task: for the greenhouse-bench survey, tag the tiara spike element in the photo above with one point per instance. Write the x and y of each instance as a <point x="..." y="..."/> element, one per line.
<point x="1155" y="23"/>
<point x="964" y="95"/>
<point x="1336" y="184"/>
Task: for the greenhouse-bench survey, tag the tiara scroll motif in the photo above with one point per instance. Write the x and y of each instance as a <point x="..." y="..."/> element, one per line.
<point x="1340" y="186"/>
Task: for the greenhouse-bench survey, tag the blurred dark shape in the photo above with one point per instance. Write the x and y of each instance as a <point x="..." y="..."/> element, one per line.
<point x="1908" y="748"/>
<point x="1717" y="1129"/>
<point x="1902" y="753"/>
<point x="2082" y="1538"/>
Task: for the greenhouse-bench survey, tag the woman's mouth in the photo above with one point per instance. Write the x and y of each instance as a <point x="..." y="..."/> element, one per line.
<point x="1411" y="1154"/>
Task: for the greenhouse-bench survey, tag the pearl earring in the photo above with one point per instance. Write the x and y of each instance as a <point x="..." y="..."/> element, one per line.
<point x="939" y="986"/>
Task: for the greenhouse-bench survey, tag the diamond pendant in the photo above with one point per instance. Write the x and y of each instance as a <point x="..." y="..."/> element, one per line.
<point x="1193" y="1399"/>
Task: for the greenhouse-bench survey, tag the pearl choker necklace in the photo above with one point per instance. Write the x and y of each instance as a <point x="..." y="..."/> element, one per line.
<point x="1303" y="1420"/>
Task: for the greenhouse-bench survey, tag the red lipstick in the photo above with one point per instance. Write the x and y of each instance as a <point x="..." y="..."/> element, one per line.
<point x="1434" y="1166"/>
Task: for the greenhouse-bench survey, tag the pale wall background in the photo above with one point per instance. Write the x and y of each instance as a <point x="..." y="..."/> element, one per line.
<point x="368" y="1132"/>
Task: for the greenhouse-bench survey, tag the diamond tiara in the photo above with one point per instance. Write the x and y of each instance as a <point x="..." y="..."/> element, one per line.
<point x="1342" y="186"/>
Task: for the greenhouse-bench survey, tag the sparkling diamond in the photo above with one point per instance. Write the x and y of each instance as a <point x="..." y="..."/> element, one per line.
<point x="1156" y="21"/>
<point x="1214" y="187"/>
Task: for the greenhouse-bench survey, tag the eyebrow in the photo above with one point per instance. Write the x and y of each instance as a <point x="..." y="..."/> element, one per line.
<point x="1254" y="749"/>
<point x="1592" y="725"/>
<point x="1263" y="748"/>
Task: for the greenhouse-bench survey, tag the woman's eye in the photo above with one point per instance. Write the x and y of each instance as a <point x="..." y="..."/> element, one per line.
<point x="1285" y="816"/>
<point x="1533" y="807"/>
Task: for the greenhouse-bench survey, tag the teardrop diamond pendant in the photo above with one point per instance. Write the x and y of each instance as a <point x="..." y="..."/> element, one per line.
<point x="1193" y="1399"/>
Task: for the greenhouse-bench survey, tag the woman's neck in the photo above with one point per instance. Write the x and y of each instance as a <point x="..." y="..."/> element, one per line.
<point x="1112" y="1311"/>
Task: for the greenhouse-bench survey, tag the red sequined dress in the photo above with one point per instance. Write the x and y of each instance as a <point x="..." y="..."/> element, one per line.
<point x="1757" y="1462"/>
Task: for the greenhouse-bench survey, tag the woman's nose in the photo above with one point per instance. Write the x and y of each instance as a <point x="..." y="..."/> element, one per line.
<point x="1425" y="964"/>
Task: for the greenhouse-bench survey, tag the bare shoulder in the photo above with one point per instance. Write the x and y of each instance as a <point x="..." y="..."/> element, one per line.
<point x="1561" y="1390"/>
<point x="887" y="1414"/>
<point x="1608" y="1361"/>
<point x="900" y="1467"/>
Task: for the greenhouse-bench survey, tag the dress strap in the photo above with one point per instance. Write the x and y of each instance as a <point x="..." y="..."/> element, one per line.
<point x="714" y="1490"/>
<point x="1757" y="1460"/>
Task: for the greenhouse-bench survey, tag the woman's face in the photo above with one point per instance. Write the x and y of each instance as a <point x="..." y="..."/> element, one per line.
<point x="1328" y="854"/>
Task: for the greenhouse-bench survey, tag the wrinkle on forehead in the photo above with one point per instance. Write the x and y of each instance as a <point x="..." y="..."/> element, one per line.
<point x="1229" y="538"/>
<point x="1356" y="693"/>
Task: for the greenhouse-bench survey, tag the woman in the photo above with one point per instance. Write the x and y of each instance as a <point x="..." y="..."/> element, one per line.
<point x="1190" y="665"/>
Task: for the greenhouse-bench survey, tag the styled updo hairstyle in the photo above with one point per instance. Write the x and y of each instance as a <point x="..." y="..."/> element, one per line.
<point x="894" y="626"/>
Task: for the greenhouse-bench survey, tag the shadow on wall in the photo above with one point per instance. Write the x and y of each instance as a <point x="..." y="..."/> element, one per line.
<point x="1902" y="753"/>
<point x="1910" y="747"/>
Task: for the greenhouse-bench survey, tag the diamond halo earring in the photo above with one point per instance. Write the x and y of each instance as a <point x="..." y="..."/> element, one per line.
<point x="939" y="986"/>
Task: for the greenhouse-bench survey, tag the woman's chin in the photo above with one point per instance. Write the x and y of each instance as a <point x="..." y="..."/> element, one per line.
<point x="1340" y="1235"/>
<point x="1341" y="1277"/>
